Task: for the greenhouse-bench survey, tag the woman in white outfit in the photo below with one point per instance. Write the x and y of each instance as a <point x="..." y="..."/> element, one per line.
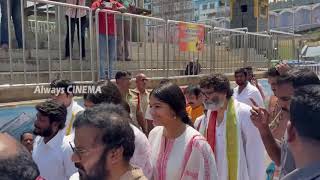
<point x="178" y="151"/>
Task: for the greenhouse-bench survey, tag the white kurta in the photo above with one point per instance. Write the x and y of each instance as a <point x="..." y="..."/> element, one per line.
<point x="54" y="158"/>
<point x="187" y="157"/>
<point x="248" y="92"/>
<point x="251" y="158"/>
<point x="72" y="111"/>
<point x="142" y="153"/>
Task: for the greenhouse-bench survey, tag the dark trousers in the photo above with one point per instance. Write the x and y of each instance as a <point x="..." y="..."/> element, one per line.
<point x="73" y="22"/>
<point x="123" y="36"/>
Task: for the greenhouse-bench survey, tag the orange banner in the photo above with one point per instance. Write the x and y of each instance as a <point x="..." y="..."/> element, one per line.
<point x="191" y="37"/>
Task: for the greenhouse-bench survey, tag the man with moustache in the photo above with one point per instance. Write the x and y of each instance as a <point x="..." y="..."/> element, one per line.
<point x="245" y="90"/>
<point x="51" y="152"/>
<point x="194" y="99"/>
<point x="230" y="132"/>
<point x="104" y="145"/>
<point x="304" y="133"/>
<point x="286" y="84"/>
<point x="111" y="94"/>
<point x="26" y="139"/>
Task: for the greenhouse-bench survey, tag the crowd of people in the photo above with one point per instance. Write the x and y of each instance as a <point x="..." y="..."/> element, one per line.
<point x="207" y="131"/>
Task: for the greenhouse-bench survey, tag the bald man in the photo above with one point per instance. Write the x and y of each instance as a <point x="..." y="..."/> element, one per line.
<point x="141" y="89"/>
<point x="15" y="161"/>
<point x="142" y="93"/>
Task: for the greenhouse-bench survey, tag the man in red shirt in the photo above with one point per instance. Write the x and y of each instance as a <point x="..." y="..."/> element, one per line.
<point x="107" y="33"/>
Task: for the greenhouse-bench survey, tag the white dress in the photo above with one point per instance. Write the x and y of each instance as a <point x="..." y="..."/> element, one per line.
<point x="251" y="152"/>
<point x="188" y="157"/>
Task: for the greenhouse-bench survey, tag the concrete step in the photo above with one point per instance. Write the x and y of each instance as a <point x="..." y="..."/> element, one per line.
<point x="29" y="78"/>
<point x="43" y="65"/>
<point x="19" y="78"/>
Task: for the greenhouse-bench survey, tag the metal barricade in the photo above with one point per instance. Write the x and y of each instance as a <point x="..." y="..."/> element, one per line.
<point x="313" y="67"/>
<point x="187" y="62"/>
<point x="284" y="46"/>
<point x="40" y="58"/>
<point x="258" y="50"/>
<point x="42" y="27"/>
<point x="230" y="49"/>
<point x="135" y="43"/>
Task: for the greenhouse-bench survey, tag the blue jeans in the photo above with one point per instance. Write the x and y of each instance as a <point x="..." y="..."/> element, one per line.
<point x="16" y="17"/>
<point x="105" y="48"/>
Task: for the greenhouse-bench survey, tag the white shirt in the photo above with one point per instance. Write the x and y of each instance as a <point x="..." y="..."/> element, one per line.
<point x="72" y="111"/>
<point x="148" y="115"/>
<point x="75" y="176"/>
<point x="54" y="158"/>
<point x="251" y="156"/>
<point x="221" y="149"/>
<point x="142" y="153"/>
<point x="71" y="12"/>
<point x="248" y="92"/>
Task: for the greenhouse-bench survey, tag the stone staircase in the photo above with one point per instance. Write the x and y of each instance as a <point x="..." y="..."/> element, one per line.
<point x="42" y="65"/>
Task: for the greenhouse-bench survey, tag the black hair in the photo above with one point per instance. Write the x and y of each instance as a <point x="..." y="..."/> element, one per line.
<point x="121" y="74"/>
<point x="164" y="81"/>
<point x="113" y="121"/>
<point x="66" y="85"/>
<point x="25" y="132"/>
<point x="193" y="90"/>
<point x="19" y="166"/>
<point x="272" y="72"/>
<point x="249" y="68"/>
<point x="109" y="94"/>
<point x="219" y="83"/>
<point x="241" y="70"/>
<point x="305" y="111"/>
<point x="172" y="95"/>
<point x="298" y="77"/>
<point x="55" y="111"/>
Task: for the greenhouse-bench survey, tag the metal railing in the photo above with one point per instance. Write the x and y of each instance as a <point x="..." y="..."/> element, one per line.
<point x="139" y="44"/>
<point x="43" y="27"/>
<point x="179" y="60"/>
<point x="129" y="44"/>
<point x="313" y="67"/>
<point x="40" y="59"/>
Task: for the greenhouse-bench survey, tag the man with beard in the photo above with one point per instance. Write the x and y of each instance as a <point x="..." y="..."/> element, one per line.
<point x="104" y="144"/>
<point x="245" y="90"/>
<point x="194" y="100"/>
<point x="304" y="133"/>
<point x="230" y="133"/>
<point x="51" y="152"/>
<point x="111" y="94"/>
<point x="286" y="84"/>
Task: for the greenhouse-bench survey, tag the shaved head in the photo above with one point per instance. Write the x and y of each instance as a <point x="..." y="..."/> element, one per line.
<point x="15" y="161"/>
<point x="8" y="146"/>
<point x="141" y="82"/>
<point x="141" y="76"/>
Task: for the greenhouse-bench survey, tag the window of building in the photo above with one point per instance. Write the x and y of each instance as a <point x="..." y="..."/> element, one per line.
<point x="212" y="6"/>
<point x="204" y="7"/>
